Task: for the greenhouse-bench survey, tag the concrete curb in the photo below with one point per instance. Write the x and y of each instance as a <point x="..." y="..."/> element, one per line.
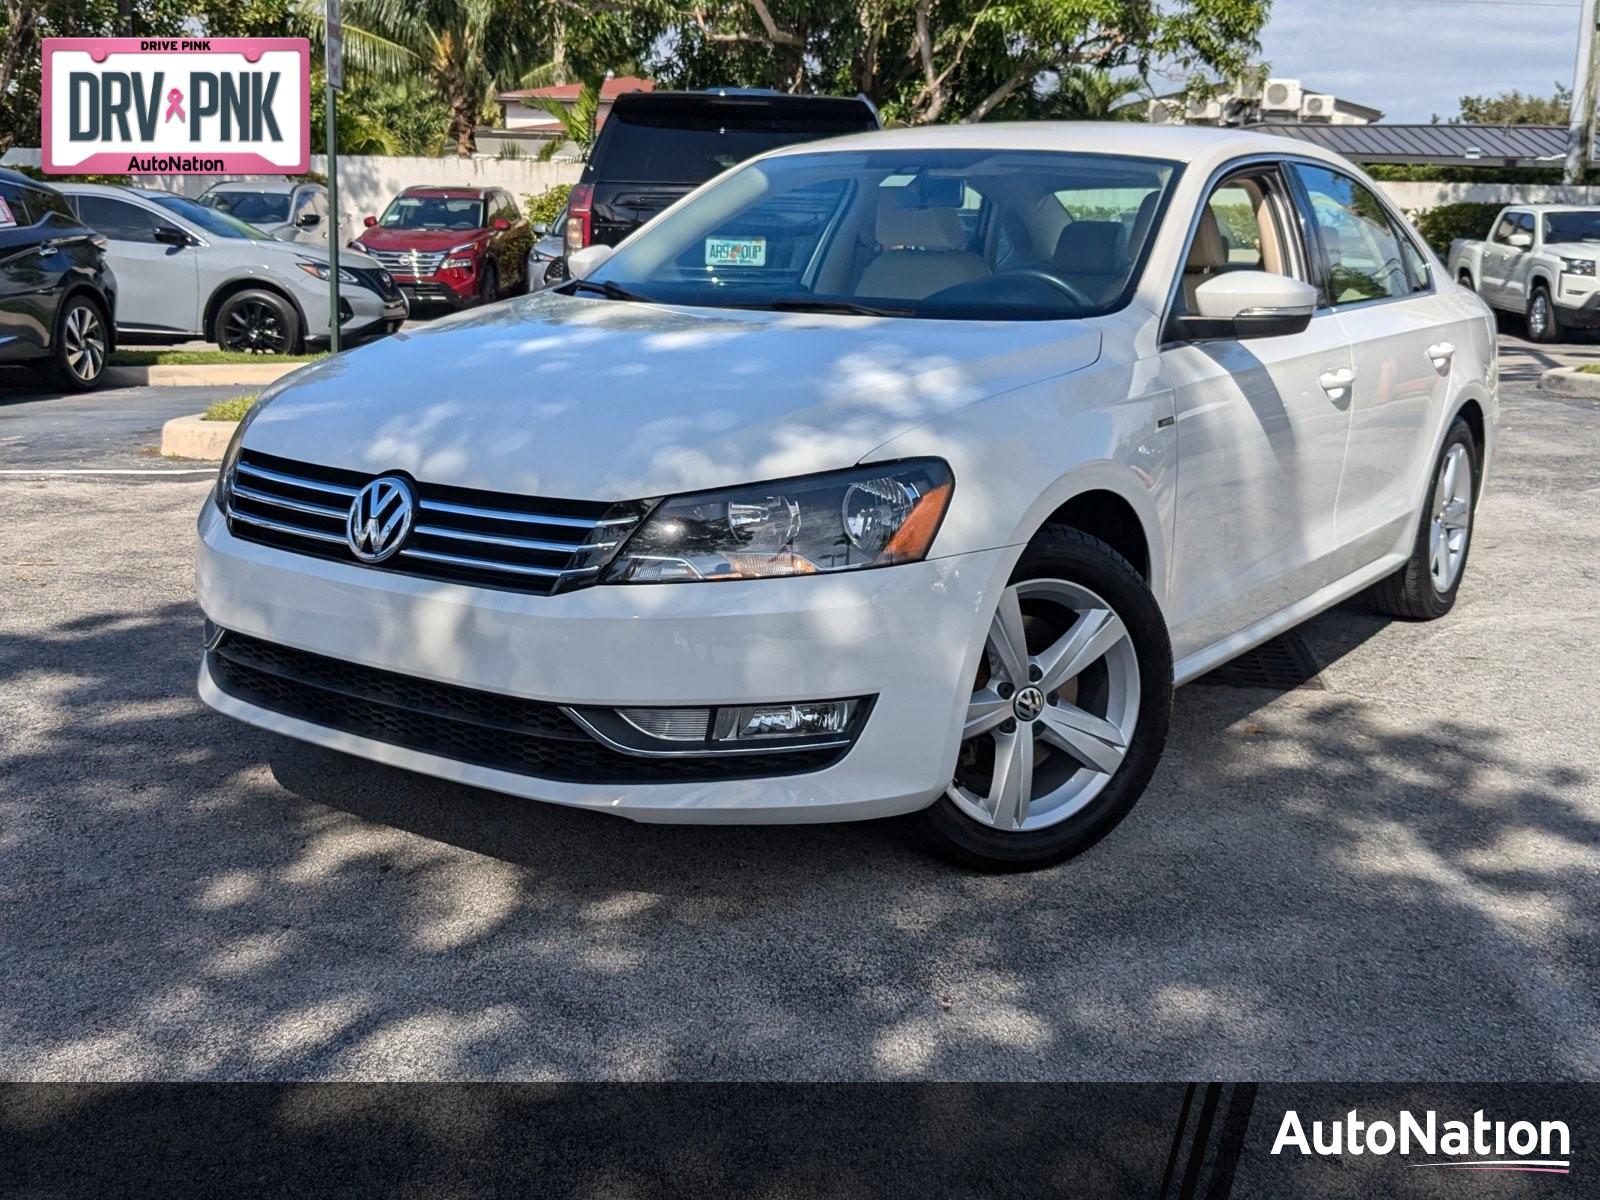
<point x="195" y="437"/>
<point x="201" y="375"/>
<point x="1570" y="382"/>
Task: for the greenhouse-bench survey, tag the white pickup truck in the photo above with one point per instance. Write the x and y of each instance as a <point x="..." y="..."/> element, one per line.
<point x="1540" y="260"/>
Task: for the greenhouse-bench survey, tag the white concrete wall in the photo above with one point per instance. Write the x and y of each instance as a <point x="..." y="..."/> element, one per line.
<point x="367" y="184"/>
<point x="1415" y="197"/>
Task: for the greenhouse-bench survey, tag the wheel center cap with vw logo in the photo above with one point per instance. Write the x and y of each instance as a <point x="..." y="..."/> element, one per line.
<point x="1028" y="704"/>
<point x="380" y="518"/>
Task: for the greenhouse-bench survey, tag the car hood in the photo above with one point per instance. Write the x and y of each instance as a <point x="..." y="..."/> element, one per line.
<point x="418" y="239"/>
<point x="289" y="252"/>
<point x="1590" y="250"/>
<point x="550" y="395"/>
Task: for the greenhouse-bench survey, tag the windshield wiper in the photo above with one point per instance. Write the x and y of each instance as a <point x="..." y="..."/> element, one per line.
<point x="611" y="291"/>
<point x="802" y="304"/>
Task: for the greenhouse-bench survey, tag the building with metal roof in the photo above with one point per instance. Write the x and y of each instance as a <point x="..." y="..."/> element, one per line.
<point x="1435" y="145"/>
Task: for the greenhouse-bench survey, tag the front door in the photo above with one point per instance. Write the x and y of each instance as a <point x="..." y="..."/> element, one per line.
<point x="1261" y="428"/>
<point x="1497" y="259"/>
<point x="158" y="284"/>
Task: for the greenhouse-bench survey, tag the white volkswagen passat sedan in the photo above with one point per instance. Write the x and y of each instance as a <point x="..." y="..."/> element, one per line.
<point x="902" y="473"/>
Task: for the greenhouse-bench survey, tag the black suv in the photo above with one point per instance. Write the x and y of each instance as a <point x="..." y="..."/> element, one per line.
<point x="58" y="299"/>
<point x="657" y="146"/>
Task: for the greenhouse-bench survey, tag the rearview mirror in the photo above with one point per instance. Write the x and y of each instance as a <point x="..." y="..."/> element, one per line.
<point x="1247" y="304"/>
<point x="171" y="235"/>
<point x="1520" y="240"/>
<point x="583" y="263"/>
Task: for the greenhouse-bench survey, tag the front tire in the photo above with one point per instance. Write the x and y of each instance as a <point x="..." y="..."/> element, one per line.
<point x="82" y="344"/>
<point x="1425" y="588"/>
<point x="1544" y="323"/>
<point x="1068" y="714"/>
<point x="256" y="321"/>
<point x="489" y="285"/>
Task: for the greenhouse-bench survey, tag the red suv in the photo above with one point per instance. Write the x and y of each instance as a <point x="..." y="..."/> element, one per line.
<point x="451" y="246"/>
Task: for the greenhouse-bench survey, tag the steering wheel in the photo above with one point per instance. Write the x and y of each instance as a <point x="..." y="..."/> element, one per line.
<point x="1070" y="291"/>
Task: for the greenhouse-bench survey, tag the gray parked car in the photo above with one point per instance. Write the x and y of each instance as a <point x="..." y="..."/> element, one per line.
<point x="188" y="271"/>
<point x="290" y="211"/>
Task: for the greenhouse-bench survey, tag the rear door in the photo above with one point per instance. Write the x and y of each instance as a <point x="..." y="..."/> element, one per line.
<point x="1402" y="343"/>
<point x="157" y="283"/>
<point x="31" y="270"/>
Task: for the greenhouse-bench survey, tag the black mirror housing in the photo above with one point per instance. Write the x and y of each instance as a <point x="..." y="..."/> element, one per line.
<point x="1272" y="323"/>
<point x="172" y="235"/>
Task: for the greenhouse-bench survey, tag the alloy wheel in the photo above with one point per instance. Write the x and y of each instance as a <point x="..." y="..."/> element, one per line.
<point x="83" y="339"/>
<point x="1451" y="520"/>
<point x="1538" y="315"/>
<point x="1053" y="710"/>
<point x="255" y="327"/>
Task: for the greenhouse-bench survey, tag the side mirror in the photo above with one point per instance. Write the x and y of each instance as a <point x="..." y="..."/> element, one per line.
<point x="540" y="229"/>
<point x="369" y="221"/>
<point x="1520" y="240"/>
<point x="501" y="224"/>
<point x="583" y="263"/>
<point x="1247" y="304"/>
<point x="171" y="235"/>
<point x="308" y="220"/>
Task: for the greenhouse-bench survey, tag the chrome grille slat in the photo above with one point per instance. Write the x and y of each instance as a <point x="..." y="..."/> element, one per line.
<point x="411" y="263"/>
<point x="302" y="508"/>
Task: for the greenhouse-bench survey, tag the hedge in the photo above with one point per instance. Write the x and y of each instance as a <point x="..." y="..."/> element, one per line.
<point x="1439" y="226"/>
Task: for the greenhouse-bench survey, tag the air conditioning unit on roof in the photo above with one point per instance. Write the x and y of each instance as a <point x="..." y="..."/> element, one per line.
<point x="1281" y="96"/>
<point x="1316" y="106"/>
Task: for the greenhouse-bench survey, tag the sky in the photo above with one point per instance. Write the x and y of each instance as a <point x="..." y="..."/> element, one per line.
<point x="1414" y="58"/>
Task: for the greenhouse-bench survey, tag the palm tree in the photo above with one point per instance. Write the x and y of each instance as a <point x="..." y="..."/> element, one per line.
<point x="577" y="120"/>
<point x="1086" y="94"/>
<point x="462" y="48"/>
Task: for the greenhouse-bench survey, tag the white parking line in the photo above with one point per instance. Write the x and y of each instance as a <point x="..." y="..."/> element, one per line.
<point x="110" y="471"/>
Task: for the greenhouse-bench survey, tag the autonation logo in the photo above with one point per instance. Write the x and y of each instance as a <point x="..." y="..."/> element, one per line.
<point x="1476" y="1145"/>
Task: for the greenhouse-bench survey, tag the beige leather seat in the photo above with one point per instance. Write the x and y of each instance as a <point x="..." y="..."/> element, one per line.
<point x="921" y="251"/>
<point x="1208" y="255"/>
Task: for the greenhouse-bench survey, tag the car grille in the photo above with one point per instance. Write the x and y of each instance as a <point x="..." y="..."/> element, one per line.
<point x="527" y="737"/>
<point x="412" y="263"/>
<point x="376" y="280"/>
<point x="459" y="534"/>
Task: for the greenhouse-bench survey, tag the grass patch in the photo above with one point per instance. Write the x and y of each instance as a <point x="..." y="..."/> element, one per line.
<point x="231" y="410"/>
<point x="1589" y="369"/>
<point x="200" y="358"/>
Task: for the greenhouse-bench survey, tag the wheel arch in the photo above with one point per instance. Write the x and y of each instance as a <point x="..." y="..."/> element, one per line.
<point x="1108" y="502"/>
<point x="249" y="283"/>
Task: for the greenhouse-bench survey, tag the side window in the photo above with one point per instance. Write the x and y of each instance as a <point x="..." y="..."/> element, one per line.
<point x="44" y="203"/>
<point x="1361" y="254"/>
<point x="1504" y="228"/>
<point x="1241" y="228"/>
<point x="505" y="206"/>
<point x="13" y="207"/>
<point x="1417" y="266"/>
<point x="305" y="202"/>
<point x="117" y="219"/>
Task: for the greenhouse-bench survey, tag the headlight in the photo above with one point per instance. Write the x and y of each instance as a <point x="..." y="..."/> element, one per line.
<point x="320" y="270"/>
<point x="1577" y="266"/>
<point x="459" y="258"/>
<point x="873" y="516"/>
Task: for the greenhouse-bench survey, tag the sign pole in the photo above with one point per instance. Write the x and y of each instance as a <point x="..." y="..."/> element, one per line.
<point x="334" y="44"/>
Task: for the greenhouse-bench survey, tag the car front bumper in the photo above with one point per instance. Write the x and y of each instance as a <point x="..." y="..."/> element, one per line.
<point x="908" y="636"/>
<point x="1578" y="299"/>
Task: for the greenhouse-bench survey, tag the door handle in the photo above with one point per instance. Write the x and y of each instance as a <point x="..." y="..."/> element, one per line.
<point x="1441" y="353"/>
<point x="1337" y="382"/>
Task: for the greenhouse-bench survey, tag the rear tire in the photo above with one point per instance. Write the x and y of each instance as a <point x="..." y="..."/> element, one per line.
<point x="1082" y="744"/>
<point x="256" y="321"/>
<point x="1425" y="588"/>
<point x="1544" y="322"/>
<point x="82" y="344"/>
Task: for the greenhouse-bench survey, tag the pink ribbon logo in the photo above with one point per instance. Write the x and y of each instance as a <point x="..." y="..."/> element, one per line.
<point x="175" y="105"/>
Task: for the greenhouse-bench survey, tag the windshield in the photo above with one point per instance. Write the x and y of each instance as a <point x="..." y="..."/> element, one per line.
<point x="690" y="148"/>
<point x="433" y="212"/>
<point x="261" y="208"/>
<point x="218" y="223"/>
<point x="1572" y="226"/>
<point x="955" y="234"/>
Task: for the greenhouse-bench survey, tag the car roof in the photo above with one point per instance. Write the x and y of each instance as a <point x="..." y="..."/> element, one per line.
<point x="1553" y="208"/>
<point x="277" y="187"/>
<point x="447" y="193"/>
<point x="1177" y="143"/>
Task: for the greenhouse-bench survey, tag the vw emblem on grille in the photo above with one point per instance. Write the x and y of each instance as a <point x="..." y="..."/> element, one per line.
<point x="1029" y="703"/>
<point x="380" y="518"/>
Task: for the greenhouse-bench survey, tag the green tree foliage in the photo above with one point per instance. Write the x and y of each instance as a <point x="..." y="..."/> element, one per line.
<point x="1514" y="108"/>
<point x="376" y="116"/>
<point x="549" y="204"/>
<point x="1440" y="226"/>
<point x="922" y="61"/>
<point x="577" y="119"/>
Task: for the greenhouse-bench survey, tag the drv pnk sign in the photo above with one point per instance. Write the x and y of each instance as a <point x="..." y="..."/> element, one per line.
<point x="193" y="106"/>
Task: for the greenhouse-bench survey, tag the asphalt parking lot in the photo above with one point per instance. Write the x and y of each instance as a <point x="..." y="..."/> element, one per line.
<point x="1390" y="872"/>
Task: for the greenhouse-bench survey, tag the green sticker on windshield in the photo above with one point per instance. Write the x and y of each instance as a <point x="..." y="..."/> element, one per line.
<point x="736" y="252"/>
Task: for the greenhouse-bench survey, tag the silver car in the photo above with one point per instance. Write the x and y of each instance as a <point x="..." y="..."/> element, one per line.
<point x="186" y="270"/>
<point x="290" y="210"/>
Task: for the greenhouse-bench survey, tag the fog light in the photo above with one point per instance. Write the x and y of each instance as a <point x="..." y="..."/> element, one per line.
<point x="669" y="724"/>
<point x="763" y="721"/>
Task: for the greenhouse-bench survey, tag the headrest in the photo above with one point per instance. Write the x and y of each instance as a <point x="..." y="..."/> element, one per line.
<point x="1208" y="251"/>
<point x="1092" y="247"/>
<point x="903" y="225"/>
